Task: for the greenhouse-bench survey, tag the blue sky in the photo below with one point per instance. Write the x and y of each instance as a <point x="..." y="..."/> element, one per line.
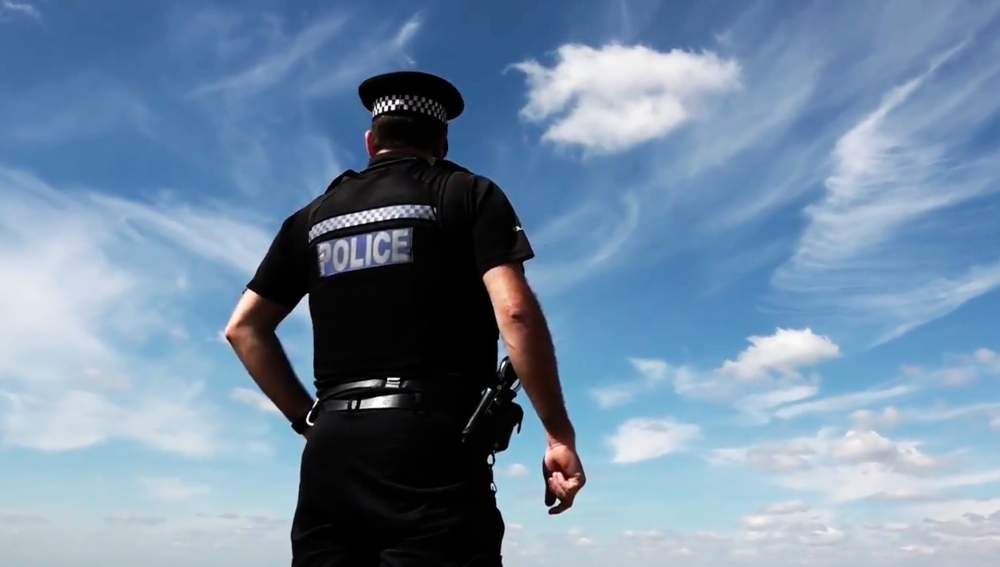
<point x="765" y="243"/>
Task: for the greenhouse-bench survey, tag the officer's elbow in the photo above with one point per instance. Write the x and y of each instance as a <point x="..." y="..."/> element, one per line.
<point x="521" y="310"/>
<point x="239" y="328"/>
<point x="234" y="332"/>
<point x="513" y="300"/>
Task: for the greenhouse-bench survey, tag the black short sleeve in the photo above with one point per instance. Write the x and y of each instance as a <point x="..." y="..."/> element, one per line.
<point x="283" y="274"/>
<point x="498" y="237"/>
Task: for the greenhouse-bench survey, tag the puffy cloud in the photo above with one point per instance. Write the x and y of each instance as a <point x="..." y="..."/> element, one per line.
<point x="642" y="439"/>
<point x="785" y="352"/>
<point x="772" y="365"/>
<point x="615" y="97"/>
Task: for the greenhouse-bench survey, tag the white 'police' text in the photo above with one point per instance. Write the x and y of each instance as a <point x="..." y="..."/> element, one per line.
<point x="362" y="251"/>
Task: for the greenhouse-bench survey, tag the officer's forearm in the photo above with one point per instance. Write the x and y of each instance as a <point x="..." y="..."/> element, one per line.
<point x="529" y="345"/>
<point x="265" y="360"/>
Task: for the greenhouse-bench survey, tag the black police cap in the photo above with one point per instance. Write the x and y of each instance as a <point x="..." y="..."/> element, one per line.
<point x="413" y="93"/>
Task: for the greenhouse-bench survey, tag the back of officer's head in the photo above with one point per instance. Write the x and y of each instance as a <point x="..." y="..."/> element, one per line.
<point x="408" y="132"/>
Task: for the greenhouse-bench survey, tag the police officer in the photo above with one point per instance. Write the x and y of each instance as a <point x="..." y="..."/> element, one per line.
<point x="413" y="269"/>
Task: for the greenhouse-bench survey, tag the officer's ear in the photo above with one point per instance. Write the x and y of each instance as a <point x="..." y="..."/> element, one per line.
<point x="370" y="143"/>
<point x="443" y="149"/>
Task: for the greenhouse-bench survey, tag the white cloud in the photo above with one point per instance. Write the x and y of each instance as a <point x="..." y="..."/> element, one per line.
<point x="373" y="53"/>
<point x="102" y="386"/>
<point x="865" y="419"/>
<point x="641" y="439"/>
<point x="514" y="471"/>
<point x="843" y="402"/>
<point x="263" y="73"/>
<point x="896" y="171"/>
<point x="858" y="465"/>
<point x="576" y="254"/>
<point x="771" y="365"/>
<point x="74" y="419"/>
<point x="12" y="8"/>
<point x="784" y="508"/>
<point x="959" y="370"/>
<point x="613" y="98"/>
<point x="870" y="447"/>
<point x="855" y="446"/>
<point x="282" y="59"/>
<point x="784" y="352"/>
<point x="254" y="399"/>
<point x="652" y="373"/>
<point x="172" y="489"/>
<point x="775" y="137"/>
<point x="758" y="404"/>
<point x="988" y="358"/>
<point x="791" y="522"/>
<point x="43" y="116"/>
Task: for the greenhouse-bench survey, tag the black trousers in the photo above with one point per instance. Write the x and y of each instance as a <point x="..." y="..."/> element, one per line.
<point x="394" y="488"/>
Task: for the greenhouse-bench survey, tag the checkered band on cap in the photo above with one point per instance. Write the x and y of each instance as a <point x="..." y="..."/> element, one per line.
<point x="392" y="212"/>
<point x="410" y="103"/>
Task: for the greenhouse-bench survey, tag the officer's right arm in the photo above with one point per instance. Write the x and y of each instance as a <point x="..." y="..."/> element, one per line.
<point x="501" y="247"/>
<point x="278" y="285"/>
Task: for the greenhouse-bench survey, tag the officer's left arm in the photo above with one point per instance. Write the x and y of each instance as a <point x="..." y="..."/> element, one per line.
<point x="276" y="288"/>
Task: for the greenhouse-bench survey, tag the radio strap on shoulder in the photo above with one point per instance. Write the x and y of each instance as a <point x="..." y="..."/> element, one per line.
<point x="330" y="189"/>
<point x="452" y="205"/>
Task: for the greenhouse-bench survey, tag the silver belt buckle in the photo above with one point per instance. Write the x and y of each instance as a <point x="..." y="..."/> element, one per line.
<point x="393" y="382"/>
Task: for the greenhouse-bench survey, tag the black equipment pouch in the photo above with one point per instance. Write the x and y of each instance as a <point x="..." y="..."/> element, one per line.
<point x="497" y="416"/>
<point x="507" y="417"/>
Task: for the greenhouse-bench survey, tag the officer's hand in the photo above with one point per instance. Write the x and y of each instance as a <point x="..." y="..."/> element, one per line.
<point x="564" y="477"/>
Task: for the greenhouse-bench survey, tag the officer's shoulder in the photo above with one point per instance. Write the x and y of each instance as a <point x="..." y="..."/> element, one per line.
<point x="473" y="180"/>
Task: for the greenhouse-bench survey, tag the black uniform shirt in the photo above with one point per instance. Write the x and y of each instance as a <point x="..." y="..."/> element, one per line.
<point x="409" y="298"/>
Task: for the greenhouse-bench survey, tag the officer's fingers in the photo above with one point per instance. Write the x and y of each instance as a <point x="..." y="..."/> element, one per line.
<point x="557" y="487"/>
<point x="561" y="507"/>
<point x="558" y="484"/>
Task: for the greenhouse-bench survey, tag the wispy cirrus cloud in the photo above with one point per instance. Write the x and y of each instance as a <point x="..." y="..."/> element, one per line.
<point x="279" y="61"/>
<point x="126" y="289"/>
<point x="101" y="105"/>
<point x="261" y="94"/>
<point x="11" y="9"/>
<point x="652" y="374"/>
<point x="909" y="160"/>
<point x="810" y="122"/>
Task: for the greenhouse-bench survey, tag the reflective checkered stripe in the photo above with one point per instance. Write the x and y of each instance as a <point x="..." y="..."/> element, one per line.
<point x="393" y="212"/>
<point x="410" y="103"/>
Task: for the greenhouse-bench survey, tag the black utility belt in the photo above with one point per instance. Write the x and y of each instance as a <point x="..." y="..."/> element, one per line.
<point x="402" y="400"/>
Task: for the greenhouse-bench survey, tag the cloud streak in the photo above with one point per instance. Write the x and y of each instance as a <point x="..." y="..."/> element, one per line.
<point x="903" y="162"/>
<point x="883" y="148"/>
<point x="10" y="9"/>
<point x="101" y="288"/>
